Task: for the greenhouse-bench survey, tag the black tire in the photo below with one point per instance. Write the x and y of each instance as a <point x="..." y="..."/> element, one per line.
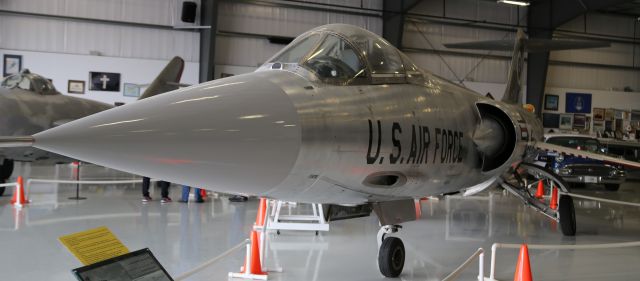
<point x="567" y="214"/>
<point x="612" y="187"/>
<point x="6" y="169"/>
<point x="391" y="257"/>
<point x="579" y="185"/>
<point x="2" y="190"/>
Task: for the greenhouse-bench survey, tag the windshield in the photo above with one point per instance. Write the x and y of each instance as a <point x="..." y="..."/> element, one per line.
<point x="342" y="54"/>
<point x="335" y="59"/>
<point x="30" y="82"/>
<point x="587" y="144"/>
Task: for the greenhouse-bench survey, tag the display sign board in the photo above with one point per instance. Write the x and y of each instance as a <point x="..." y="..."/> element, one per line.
<point x="94" y="245"/>
<point x="140" y="265"/>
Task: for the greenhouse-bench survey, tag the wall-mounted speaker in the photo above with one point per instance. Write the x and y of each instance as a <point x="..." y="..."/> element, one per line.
<point x="189" y="11"/>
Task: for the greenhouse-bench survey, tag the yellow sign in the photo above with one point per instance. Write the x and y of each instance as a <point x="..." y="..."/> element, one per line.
<point x="94" y="245"/>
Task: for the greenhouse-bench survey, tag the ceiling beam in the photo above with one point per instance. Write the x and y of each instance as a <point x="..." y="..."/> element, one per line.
<point x="393" y="17"/>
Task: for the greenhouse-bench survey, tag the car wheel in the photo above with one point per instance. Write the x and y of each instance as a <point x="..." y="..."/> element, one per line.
<point x="612" y="187"/>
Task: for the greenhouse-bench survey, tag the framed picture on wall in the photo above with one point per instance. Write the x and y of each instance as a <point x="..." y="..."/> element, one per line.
<point x="75" y="87"/>
<point x="598" y="126"/>
<point x="131" y="90"/>
<point x="550" y="120"/>
<point x="598" y="114"/>
<point x="104" y="81"/>
<point x="551" y="102"/>
<point x="12" y="64"/>
<point x="566" y="121"/>
<point x="579" y="121"/>
<point x="577" y="103"/>
<point x="608" y="114"/>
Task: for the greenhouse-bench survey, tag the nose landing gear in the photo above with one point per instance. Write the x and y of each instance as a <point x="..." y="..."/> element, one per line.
<point x="391" y="252"/>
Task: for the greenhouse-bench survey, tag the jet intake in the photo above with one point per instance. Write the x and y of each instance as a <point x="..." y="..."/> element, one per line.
<point x="495" y="137"/>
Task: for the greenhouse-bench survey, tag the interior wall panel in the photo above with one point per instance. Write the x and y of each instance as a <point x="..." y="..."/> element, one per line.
<point x="140" y="11"/>
<point x="246" y="18"/>
<point x="47" y="35"/>
<point x="283" y="21"/>
<point x="244" y="51"/>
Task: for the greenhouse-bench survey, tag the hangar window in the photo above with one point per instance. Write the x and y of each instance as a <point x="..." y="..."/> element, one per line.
<point x="335" y="61"/>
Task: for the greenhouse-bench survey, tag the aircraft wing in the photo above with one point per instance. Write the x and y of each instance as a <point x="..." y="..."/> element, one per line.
<point x="587" y="154"/>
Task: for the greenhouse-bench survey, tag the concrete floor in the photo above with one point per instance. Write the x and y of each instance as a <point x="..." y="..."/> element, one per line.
<point x="185" y="235"/>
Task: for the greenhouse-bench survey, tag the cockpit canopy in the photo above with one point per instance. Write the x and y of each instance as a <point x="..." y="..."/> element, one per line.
<point x="345" y="54"/>
<point x="28" y="81"/>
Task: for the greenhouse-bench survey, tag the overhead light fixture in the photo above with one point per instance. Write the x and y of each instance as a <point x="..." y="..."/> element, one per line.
<point x="514" y="2"/>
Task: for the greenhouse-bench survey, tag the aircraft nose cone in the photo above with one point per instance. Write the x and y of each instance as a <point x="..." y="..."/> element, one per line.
<point x="241" y="132"/>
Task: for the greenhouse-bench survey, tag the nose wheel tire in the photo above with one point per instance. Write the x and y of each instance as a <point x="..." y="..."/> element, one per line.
<point x="391" y="257"/>
<point x="612" y="187"/>
<point x="567" y="215"/>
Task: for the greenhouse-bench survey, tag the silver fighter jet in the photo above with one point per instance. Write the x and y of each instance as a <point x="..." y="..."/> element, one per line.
<point x="30" y="104"/>
<point x="338" y="117"/>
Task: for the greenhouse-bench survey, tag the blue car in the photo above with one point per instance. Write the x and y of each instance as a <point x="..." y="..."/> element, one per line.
<point x="577" y="170"/>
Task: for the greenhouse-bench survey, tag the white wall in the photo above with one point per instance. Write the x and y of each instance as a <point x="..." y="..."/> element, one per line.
<point x="626" y="101"/>
<point x="68" y="36"/>
<point x="63" y="67"/>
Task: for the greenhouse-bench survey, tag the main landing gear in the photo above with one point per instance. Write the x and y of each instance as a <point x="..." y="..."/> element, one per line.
<point x="523" y="182"/>
<point x="391" y="253"/>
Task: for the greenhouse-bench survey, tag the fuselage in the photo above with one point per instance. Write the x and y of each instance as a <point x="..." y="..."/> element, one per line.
<point x="275" y="133"/>
<point x="338" y="116"/>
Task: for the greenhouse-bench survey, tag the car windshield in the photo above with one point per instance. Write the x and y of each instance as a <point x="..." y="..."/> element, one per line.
<point x="587" y="144"/>
<point x="30" y="82"/>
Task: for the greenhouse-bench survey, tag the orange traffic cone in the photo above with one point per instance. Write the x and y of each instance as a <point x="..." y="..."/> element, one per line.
<point x="262" y="212"/>
<point x="523" y="269"/>
<point x="540" y="191"/>
<point x="19" y="198"/>
<point x="255" y="267"/>
<point x="418" y="208"/>
<point x="554" y="198"/>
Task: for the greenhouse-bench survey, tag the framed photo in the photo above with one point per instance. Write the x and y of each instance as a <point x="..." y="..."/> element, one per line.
<point x="598" y="126"/>
<point x="579" y="121"/>
<point x="619" y="114"/>
<point x="608" y="114"/>
<point x="104" y="81"/>
<point x="12" y="64"/>
<point x="75" y="87"/>
<point x="550" y="120"/>
<point x="551" y="102"/>
<point x="577" y="103"/>
<point x="131" y="90"/>
<point x="566" y="121"/>
<point x="598" y="114"/>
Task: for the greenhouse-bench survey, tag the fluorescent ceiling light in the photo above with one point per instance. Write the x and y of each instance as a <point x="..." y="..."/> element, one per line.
<point x="514" y="2"/>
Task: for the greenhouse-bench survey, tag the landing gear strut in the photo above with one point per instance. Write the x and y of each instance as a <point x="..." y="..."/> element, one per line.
<point x="391" y="253"/>
<point x="525" y="177"/>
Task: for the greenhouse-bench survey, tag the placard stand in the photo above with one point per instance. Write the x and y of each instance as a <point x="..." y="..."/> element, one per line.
<point x="77" y="197"/>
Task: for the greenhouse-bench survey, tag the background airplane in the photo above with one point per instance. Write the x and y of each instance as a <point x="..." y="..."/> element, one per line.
<point x="340" y="117"/>
<point x="31" y="104"/>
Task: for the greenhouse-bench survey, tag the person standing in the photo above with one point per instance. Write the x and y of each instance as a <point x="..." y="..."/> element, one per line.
<point x="185" y="194"/>
<point x="164" y="190"/>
